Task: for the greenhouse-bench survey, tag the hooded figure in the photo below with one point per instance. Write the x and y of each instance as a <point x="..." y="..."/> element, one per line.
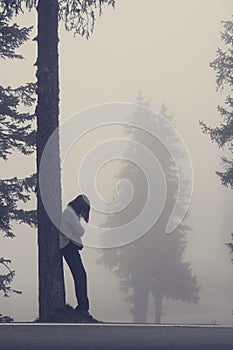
<point x="71" y="232"/>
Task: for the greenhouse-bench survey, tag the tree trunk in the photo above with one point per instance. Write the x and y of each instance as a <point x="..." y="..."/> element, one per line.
<point x="140" y="308"/>
<point x="51" y="280"/>
<point x="158" y="308"/>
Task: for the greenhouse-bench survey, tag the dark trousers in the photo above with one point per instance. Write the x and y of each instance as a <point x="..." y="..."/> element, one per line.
<point x="73" y="259"/>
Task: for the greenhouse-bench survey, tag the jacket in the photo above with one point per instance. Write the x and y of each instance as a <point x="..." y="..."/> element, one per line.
<point x="70" y="228"/>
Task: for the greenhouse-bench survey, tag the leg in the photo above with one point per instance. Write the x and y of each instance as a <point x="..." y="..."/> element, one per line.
<point x="77" y="269"/>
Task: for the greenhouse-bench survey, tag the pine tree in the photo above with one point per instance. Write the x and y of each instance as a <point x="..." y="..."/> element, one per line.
<point x="51" y="281"/>
<point x="78" y="16"/>
<point x="152" y="265"/>
<point x="223" y="134"/>
<point x="16" y="133"/>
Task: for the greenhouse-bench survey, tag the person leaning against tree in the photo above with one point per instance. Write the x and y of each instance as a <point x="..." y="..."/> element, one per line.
<point x="71" y="243"/>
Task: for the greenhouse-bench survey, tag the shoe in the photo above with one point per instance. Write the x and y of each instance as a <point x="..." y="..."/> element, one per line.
<point x="86" y="314"/>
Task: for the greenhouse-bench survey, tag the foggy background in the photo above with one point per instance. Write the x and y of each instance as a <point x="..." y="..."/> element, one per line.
<point x="162" y="48"/>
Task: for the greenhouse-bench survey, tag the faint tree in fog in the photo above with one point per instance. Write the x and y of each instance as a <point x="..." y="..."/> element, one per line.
<point x="16" y="133"/>
<point x="152" y="265"/>
<point x="78" y="16"/>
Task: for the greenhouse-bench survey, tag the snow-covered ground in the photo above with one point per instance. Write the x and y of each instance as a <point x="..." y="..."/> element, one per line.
<point x="114" y="337"/>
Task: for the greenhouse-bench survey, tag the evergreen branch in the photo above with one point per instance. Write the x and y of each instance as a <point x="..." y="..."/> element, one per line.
<point x="11" y="36"/>
<point x="79" y="16"/>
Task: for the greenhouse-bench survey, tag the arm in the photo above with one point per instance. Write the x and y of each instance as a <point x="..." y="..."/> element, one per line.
<point x="71" y="226"/>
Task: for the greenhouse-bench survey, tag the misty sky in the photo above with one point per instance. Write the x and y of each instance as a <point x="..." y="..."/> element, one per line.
<point x="162" y="47"/>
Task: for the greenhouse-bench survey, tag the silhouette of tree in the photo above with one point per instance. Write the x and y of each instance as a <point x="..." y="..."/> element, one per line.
<point x="152" y="265"/>
<point x="78" y="16"/>
<point x="16" y="133"/>
<point x="223" y="134"/>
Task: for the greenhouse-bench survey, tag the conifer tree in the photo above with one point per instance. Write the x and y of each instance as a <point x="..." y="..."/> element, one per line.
<point x="223" y="134"/>
<point x="78" y="16"/>
<point x="16" y="133"/>
<point x="152" y="265"/>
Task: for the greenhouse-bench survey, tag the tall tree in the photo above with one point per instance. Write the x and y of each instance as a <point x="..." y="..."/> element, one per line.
<point x="78" y="16"/>
<point x="153" y="265"/>
<point x="16" y="133"/>
<point x="51" y="282"/>
<point x="223" y="134"/>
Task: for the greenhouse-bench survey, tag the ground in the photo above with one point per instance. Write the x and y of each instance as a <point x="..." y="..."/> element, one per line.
<point x="114" y="337"/>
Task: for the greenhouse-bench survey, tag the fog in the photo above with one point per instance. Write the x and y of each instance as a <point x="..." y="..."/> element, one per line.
<point x="162" y="48"/>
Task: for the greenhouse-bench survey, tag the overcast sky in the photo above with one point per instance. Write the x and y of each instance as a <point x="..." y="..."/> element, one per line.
<point x="162" y="47"/>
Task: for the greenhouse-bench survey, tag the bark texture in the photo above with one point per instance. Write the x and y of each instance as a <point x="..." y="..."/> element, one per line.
<point x="51" y="280"/>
